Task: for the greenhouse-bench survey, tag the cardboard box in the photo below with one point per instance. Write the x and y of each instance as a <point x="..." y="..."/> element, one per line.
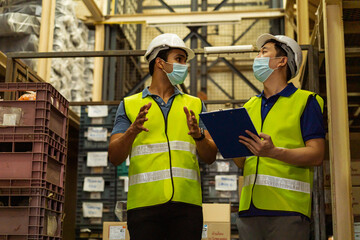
<point x="355" y="200"/>
<point x="115" y="231"/>
<point x="217" y="224"/>
<point x="355" y="173"/>
<point x="357" y="230"/>
<point x="327" y="200"/>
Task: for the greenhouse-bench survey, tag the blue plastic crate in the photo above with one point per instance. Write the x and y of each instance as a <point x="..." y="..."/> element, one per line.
<point x="121" y="195"/>
<point x="86" y="144"/>
<point x="85" y="120"/>
<point x="122" y="169"/>
<point x="223" y="167"/>
<point x="108" y="214"/>
<point x="109" y="193"/>
<point x="87" y="232"/>
<point x="83" y="169"/>
<point x="210" y="194"/>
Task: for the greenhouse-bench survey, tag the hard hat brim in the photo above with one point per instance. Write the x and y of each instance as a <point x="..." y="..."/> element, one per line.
<point x="166" y="41"/>
<point x="263" y="38"/>
<point x="190" y="53"/>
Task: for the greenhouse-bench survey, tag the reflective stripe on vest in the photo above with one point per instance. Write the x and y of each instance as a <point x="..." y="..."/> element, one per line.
<point x="277" y="182"/>
<point x="162" y="175"/>
<point x="163" y="147"/>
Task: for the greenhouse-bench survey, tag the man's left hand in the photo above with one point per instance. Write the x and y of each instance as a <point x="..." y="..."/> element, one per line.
<point x="193" y="126"/>
<point x="259" y="147"/>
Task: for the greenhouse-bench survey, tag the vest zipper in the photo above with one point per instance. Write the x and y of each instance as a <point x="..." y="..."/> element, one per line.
<point x="168" y="142"/>
<point x="257" y="161"/>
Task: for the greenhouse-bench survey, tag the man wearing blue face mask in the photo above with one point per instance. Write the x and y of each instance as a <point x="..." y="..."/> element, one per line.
<point x="159" y="129"/>
<point x="275" y="200"/>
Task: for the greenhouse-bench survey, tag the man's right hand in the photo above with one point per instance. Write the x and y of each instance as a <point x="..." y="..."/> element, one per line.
<point x="138" y="125"/>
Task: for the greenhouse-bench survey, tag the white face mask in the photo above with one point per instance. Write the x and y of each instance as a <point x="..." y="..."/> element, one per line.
<point x="261" y="68"/>
<point x="178" y="74"/>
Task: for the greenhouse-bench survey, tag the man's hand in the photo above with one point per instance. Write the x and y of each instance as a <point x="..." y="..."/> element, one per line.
<point x="259" y="147"/>
<point x="138" y="125"/>
<point x="194" y="130"/>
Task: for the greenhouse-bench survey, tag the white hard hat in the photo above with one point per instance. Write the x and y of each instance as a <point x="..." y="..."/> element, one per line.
<point x="293" y="61"/>
<point x="166" y="41"/>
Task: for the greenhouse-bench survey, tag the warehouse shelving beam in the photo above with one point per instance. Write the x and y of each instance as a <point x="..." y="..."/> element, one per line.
<point x="303" y="35"/>
<point x="339" y="145"/>
<point x="194" y="61"/>
<point x="46" y="37"/>
<point x="99" y="62"/>
<point x="3" y="60"/>
<point x="220" y="5"/>
<point x="350" y="4"/>
<point x="290" y="25"/>
<point x="166" y="6"/>
<point x="94" y="10"/>
<point x="163" y="18"/>
<point x="12" y="57"/>
<point x="203" y="59"/>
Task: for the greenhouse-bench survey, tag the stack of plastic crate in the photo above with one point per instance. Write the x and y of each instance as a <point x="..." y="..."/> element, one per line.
<point x="96" y="184"/>
<point x="122" y="181"/>
<point x="33" y="153"/>
<point x="220" y="184"/>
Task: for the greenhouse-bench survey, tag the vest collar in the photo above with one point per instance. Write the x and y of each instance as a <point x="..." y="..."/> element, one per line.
<point x="146" y="92"/>
<point x="286" y="92"/>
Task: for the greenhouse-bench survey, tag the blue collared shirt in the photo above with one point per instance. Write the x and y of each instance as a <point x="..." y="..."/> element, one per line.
<point x="312" y="127"/>
<point x="122" y="123"/>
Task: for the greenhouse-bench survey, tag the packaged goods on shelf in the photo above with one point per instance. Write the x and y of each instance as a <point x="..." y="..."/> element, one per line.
<point x="17" y="24"/>
<point x="19" y="31"/>
<point x="9" y="3"/>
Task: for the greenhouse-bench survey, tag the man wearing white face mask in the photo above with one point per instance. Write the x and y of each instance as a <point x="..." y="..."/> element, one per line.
<point x="275" y="200"/>
<point x="159" y="128"/>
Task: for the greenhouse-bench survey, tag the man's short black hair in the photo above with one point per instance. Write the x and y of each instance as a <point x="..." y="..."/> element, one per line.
<point x="280" y="52"/>
<point x="163" y="54"/>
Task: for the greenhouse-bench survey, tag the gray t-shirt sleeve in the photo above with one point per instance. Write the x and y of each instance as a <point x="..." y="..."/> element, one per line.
<point x="122" y="122"/>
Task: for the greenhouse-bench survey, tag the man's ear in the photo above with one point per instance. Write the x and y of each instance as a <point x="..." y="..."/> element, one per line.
<point x="283" y="61"/>
<point x="159" y="63"/>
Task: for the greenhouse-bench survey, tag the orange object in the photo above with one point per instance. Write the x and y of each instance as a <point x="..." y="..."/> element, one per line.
<point x="27" y="97"/>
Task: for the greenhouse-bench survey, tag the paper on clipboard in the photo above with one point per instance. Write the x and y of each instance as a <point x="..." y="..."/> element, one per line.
<point x="225" y="127"/>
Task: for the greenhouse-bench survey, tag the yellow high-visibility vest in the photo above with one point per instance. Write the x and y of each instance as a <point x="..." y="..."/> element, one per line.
<point x="269" y="183"/>
<point x="163" y="163"/>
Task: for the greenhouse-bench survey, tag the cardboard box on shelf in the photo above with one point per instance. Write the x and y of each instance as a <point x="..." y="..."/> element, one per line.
<point x="115" y="231"/>
<point x="357" y="230"/>
<point x="357" y="227"/>
<point x="327" y="199"/>
<point x="216" y="222"/>
<point x="355" y="200"/>
<point x="355" y="173"/>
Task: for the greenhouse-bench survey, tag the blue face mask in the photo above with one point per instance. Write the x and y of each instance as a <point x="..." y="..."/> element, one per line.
<point x="178" y="74"/>
<point x="261" y="68"/>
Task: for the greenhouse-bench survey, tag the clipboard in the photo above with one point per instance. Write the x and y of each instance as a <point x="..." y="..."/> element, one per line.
<point x="225" y="127"/>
